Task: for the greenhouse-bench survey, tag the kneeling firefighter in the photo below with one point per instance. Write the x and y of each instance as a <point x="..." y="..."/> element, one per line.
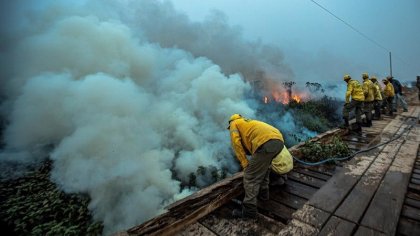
<point x="264" y="143"/>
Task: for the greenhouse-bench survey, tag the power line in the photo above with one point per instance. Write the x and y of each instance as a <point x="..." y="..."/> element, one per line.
<point x="359" y="32"/>
<point x="351" y="27"/>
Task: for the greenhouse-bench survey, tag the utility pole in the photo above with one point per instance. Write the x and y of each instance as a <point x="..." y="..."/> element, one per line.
<point x="390" y="63"/>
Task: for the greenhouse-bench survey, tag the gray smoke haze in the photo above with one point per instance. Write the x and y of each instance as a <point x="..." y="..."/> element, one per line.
<point x="127" y="98"/>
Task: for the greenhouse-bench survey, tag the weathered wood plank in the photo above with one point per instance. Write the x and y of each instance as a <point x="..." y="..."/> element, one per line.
<point x="391" y="192"/>
<point x="275" y="210"/>
<point x="336" y="189"/>
<point x="354" y="205"/>
<point x="305" y="179"/>
<point x="221" y="223"/>
<point x="296" y="227"/>
<point x="363" y="231"/>
<point x="192" y="208"/>
<point x="195" y="229"/>
<point x="312" y="174"/>
<point x="311" y="216"/>
<point x="288" y="199"/>
<point x="412" y="202"/>
<point x="415" y="181"/>
<point x="414" y="187"/>
<point x="299" y="189"/>
<point x="337" y="226"/>
<point x="411" y="212"/>
<point x="408" y="227"/>
<point x="413" y="195"/>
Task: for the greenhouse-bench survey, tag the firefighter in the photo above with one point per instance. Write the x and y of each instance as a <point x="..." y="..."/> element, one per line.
<point x="389" y="95"/>
<point x="398" y="97"/>
<point x="418" y="85"/>
<point x="378" y="98"/>
<point x="263" y="142"/>
<point x="355" y="92"/>
<point x="368" y="91"/>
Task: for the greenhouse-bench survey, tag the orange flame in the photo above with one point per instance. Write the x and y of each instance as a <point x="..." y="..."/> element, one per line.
<point x="296" y="98"/>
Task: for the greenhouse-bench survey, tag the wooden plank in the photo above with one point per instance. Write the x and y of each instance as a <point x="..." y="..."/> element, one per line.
<point x="311" y="216"/>
<point x="331" y="194"/>
<point x="305" y="179"/>
<point x="275" y="210"/>
<point x="221" y="225"/>
<point x="408" y="227"/>
<point x="336" y="189"/>
<point x="354" y="205"/>
<point x="267" y="222"/>
<point x="411" y="212"/>
<point x="412" y="202"/>
<point x="337" y="226"/>
<point x="299" y="189"/>
<point x="190" y="209"/>
<point x="413" y="195"/>
<point x="414" y="187"/>
<point x="195" y="229"/>
<point x="363" y="231"/>
<point x="391" y="192"/>
<point x="313" y="174"/>
<point x="296" y="227"/>
<point x="415" y="181"/>
<point x="417" y="176"/>
<point x="288" y="199"/>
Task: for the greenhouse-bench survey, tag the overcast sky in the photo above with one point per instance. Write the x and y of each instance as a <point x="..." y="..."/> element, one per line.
<point x="317" y="45"/>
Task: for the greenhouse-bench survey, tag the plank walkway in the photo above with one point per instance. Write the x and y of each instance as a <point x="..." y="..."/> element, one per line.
<point x="375" y="193"/>
<point x="368" y="195"/>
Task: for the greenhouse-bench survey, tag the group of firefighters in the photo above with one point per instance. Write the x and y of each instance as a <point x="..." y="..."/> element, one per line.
<point x="370" y="96"/>
<point x="264" y="142"/>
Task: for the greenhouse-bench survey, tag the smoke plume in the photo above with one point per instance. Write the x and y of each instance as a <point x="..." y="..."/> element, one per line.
<point x="128" y="98"/>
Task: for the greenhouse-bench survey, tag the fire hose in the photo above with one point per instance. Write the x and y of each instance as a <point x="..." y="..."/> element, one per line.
<point x="355" y="153"/>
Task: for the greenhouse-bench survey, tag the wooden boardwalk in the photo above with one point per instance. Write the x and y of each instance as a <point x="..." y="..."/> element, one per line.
<point x="366" y="197"/>
<point x="375" y="193"/>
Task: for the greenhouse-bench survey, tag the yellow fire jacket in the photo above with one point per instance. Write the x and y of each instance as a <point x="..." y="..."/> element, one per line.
<point x="248" y="135"/>
<point x="377" y="91"/>
<point x="389" y="90"/>
<point x="368" y="90"/>
<point x="355" y="91"/>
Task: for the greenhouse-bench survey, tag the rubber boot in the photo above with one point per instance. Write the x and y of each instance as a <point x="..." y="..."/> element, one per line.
<point x="369" y="123"/>
<point x="358" y="128"/>
<point x="346" y="124"/>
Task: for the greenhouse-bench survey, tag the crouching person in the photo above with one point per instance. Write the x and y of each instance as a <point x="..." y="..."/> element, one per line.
<point x="263" y="142"/>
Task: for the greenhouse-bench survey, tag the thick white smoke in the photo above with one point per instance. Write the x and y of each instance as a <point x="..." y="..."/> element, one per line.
<point x="129" y="99"/>
<point x="123" y="119"/>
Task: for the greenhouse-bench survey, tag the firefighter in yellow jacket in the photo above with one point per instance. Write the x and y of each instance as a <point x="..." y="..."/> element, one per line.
<point x="355" y="92"/>
<point x="368" y="90"/>
<point x="389" y="95"/>
<point x="378" y="98"/>
<point x="263" y="142"/>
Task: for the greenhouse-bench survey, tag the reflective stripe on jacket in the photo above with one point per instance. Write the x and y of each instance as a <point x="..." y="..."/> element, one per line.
<point x="248" y="135"/>
<point x="368" y="90"/>
<point x="355" y="91"/>
<point x="389" y="90"/>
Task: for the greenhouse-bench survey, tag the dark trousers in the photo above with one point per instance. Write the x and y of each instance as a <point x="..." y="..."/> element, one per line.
<point x="389" y="105"/>
<point x="353" y="105"/>
<point x="256" y="175"/>
<point x="377" y="107"/>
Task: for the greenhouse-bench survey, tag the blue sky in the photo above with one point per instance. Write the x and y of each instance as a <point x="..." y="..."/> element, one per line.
<point x="317" y="45"/>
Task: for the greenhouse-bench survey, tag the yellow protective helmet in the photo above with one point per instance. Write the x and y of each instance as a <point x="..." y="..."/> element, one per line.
<point x="234" y="117"/>
<point x="373" y="78"/>
<point x="346" y="77"/>
<point x="365" y="76"/>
